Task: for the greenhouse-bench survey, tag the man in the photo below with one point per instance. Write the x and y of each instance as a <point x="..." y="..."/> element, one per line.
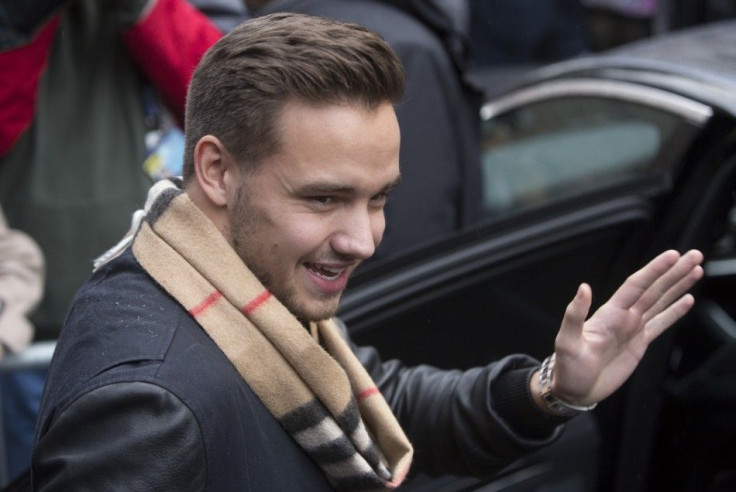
<point x="205" y="356"/>
<point x="76" y="115"/>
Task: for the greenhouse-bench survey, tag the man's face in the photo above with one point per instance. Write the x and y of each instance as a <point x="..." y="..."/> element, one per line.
<point x="308" y="215"/>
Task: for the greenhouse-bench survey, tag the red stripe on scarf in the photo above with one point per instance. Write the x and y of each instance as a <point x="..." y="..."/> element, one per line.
<point x="366" y="393"/>
<point x="256" y="303"/>
<point x="208" y="301"/>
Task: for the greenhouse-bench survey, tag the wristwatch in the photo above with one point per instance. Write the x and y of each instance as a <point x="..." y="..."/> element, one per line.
<point x="554" y="403"/>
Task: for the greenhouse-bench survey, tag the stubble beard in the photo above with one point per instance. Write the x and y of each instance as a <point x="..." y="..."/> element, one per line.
<point x="241" y="223"/>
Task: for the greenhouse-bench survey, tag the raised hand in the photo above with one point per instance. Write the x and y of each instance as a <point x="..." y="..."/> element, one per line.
<point x="595" y="357"/>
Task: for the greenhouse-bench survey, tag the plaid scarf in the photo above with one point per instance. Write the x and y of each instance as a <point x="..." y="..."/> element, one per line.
<point x="311" y="382"/>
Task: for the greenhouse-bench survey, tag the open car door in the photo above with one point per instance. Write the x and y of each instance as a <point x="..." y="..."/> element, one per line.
<point x="583" y="181"/>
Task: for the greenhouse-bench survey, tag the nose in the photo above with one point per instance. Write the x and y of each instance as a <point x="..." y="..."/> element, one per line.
<point x="359" y="234"/>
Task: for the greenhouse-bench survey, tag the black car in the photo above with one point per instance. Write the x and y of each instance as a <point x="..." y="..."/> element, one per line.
<point x="590" y="168"/>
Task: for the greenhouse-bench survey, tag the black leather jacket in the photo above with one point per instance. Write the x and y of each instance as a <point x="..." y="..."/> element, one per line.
<point x="139" y="398"/>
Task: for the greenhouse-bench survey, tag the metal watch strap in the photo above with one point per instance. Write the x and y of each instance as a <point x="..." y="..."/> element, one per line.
<point x="554" y="403"/>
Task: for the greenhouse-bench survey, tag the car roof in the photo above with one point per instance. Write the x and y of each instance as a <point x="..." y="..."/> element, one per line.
<point x="708" y="48"/>
<point x="699" y="63"/>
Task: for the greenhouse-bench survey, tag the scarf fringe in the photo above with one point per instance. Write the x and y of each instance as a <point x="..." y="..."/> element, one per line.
<point x="136" y="221"/>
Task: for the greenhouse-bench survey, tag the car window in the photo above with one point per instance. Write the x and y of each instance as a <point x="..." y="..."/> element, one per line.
<point x="546" y="150"/>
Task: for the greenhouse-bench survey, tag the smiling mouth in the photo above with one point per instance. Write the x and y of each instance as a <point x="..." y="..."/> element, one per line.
<point x="324" y="272"/>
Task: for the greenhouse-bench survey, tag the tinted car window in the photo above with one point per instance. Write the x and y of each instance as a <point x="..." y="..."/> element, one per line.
<point x="547" y="150"/>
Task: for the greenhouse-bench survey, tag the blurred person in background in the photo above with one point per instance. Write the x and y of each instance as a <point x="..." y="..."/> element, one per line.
<point x="525" y="31"/>
<point x="225" y="14"/>
<point x="90" y="90"/>
<point x="21" y="286"/>
<point x="616" y="22"/>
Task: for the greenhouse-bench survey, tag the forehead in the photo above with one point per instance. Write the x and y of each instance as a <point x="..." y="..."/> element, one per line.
<point x="336" y="143"/>
<point x="298" y="120"/>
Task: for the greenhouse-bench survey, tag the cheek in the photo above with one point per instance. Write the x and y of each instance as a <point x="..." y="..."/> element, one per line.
<point x="303" y="235"/>
<point x="378" y="226"/>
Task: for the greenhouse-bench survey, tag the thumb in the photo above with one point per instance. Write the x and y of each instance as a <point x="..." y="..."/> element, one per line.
<point x="576" y="314"/>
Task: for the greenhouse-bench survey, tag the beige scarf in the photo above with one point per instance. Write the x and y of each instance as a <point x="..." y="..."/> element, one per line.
<point x="312" y="383"/>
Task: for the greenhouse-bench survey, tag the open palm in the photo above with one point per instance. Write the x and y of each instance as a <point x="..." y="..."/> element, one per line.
<point x="595" y="357"/>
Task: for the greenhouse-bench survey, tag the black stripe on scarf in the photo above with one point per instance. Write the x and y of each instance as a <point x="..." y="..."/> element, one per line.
<point x="312" y="413"/>
<point x="159" y="206"/>
<point x="334" y="451"/>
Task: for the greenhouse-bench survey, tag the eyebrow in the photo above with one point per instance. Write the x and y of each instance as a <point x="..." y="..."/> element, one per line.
<point x="328" y="188"/>
<point x="393" y="183"/>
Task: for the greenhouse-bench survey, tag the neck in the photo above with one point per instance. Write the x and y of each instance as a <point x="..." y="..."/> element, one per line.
<point x="217" y="215"/>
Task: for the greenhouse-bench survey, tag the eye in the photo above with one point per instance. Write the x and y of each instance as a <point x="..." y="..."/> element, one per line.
<point x="379" y="200"/>
<point x="322" y="200"/>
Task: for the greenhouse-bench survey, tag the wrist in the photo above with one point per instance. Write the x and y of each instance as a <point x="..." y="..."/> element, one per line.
<point x="513" y="401"/>
<point x="544" y="396"/>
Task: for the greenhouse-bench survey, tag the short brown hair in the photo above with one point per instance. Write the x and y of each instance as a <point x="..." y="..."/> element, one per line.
<point x="246" y="78"/>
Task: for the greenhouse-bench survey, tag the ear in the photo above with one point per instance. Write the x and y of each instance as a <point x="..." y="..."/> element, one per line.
<point x="215" y="170"/>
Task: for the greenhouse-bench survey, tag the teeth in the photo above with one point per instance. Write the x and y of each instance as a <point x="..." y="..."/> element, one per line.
<point x="325" y="272"/>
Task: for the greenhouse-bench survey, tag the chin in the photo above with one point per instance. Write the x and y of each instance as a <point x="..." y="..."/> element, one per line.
<point x="320" y="316"/>
<point x="311" y="308"/>
<point x="315" y="314"/>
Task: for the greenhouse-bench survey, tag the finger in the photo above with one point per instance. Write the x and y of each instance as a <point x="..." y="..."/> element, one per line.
<point x="575" y="315"/>
<point x="683" y="284"/>
<point x="637" y="283"/>
<point x="671" y="285"/>
<point x="657" y="325"/>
